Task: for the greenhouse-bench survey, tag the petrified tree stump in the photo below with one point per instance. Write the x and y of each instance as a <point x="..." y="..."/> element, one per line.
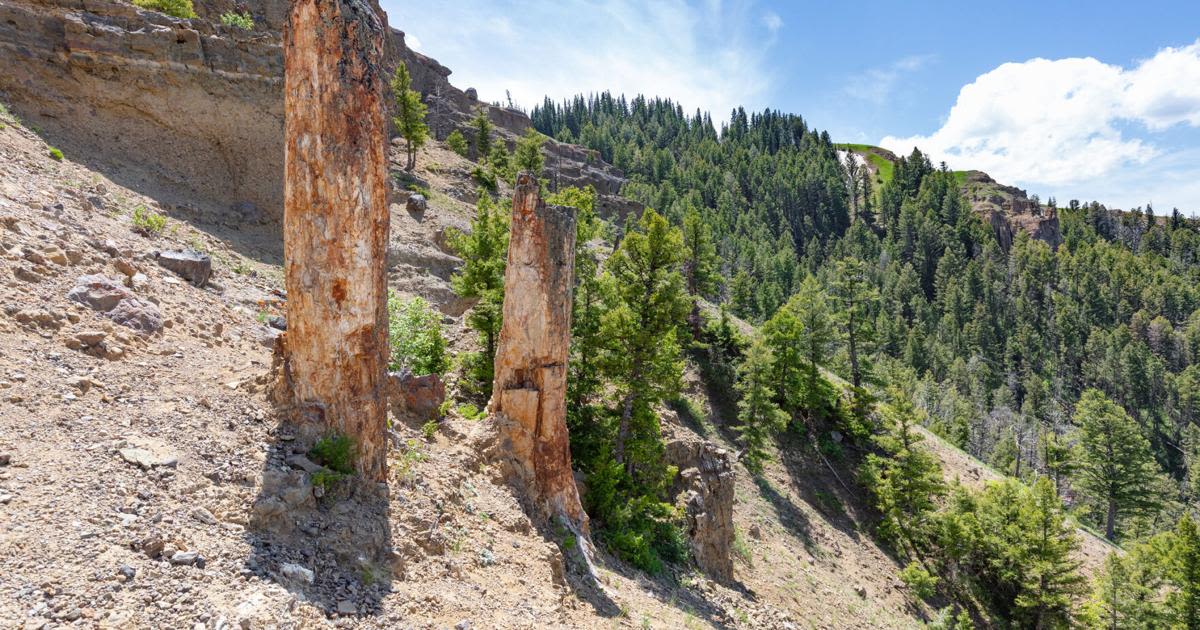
<point x="530" y="387"/>
<point x="336" y="223"/>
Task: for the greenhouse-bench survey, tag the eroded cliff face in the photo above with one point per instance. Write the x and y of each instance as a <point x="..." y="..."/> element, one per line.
<point x="179" y="108"/>
<point x="1009" y="209"/>
<point x="191" y="111"/>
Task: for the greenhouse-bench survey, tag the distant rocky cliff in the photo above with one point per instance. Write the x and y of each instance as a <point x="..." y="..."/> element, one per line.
<point x="192" y="111"/>
<point x="1009" y="209"/>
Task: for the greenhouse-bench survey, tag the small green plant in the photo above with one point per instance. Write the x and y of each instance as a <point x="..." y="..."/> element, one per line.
<point x="232" y="19"/>
<point x="741" y="548"/>
<point x="429" y="429"/>
<point x="419" y="189"/>
<point x="919" y="581"/>
<point x="457" y="143"/>
<point x="415" y="336"/>
<point x="197" y="245"/>
<point x="174" y="8"/>
<point x="410" y="455"/>
<point x="326" y="478"/>
<point x="471" y="412"/>
<point x="148" y="222"/>
<point x="335" y="452"/>
<point x="56" y="155"/>
<point x="241" y="268"/>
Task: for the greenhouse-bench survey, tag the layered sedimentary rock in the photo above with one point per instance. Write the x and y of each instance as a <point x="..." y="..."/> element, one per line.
<point x="182" y="109"/>
<point x="1009" y="209"/>
<point x="705" y="489"/>
<point x="529" y="391"/>
<point x="336" y="223"/>
<point x="191" y="111"/>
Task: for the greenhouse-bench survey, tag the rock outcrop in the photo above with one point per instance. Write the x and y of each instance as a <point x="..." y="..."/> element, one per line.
<point x="336" y="224"/>
<point x="529" y="391"/>
<point x="1008" y="210"/>
<point x="191" y="111"/>
<point x="705" y="489"/>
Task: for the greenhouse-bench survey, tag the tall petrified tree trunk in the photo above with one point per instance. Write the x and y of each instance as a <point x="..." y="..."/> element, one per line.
<point x="529" y="391"/>
<point x="336" y="222"/>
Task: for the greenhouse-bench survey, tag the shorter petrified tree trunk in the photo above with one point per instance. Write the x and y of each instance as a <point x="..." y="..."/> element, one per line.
<point x="335" y="226"/>
<point x="529" y="391"/>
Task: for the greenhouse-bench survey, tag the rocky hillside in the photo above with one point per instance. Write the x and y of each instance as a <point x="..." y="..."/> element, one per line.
<point x="193" y="110"/>
<point x="145" y="481"/>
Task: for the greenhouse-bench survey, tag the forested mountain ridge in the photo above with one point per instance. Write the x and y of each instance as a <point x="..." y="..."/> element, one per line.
<point x="1064" y="350"/>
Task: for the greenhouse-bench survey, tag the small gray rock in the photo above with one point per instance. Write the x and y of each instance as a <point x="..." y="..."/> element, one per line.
<point x="127" y="571"/>
<point x="185" y="558"/>
<point x="296" y="573"/>
<point x="416" y="203"/>
<point x="193" y="266"/>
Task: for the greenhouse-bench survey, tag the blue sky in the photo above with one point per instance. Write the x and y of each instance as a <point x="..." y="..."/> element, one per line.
<point x="1088" y="100"/>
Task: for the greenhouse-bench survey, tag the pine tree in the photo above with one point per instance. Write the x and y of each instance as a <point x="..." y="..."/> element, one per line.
<point x="758" y="416"/>
<point x="482" y="127"/>
<point x="529" y="152"/>
<point x="1116" y="470"/>
<point x="854" y="293"/>
<point x="647" y="302"/>
<point x="584" y="380"/>
<point x="410" y="115"/>
<point x="1050" y="580"/>
<point x="1184" y="573"/>
<point x="699" y="264"/>
<point x="817" y="333"/>
<point x="485" y="255"/>
<point x="904" y="478"/>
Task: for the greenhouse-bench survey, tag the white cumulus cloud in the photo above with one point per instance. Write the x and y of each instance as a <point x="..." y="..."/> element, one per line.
<point x="709" y="54"/>
<point x="1066" y="123"/>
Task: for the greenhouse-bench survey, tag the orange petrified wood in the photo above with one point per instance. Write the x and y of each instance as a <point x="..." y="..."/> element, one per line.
<point x="530" y="386"/>
<point x="336" y="223"/>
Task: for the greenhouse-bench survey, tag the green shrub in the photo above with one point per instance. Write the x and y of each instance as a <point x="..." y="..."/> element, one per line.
<point x="485" y="178"/>
<point x="457" y="143"/>
<point x="415" y="335"/>
<point x="175" y="8"/>
<point x="471" y="412"/>
<point x="919" y="581"/>
<point x="244" y="21"/>
<point x="56" y="155"/>
<point x="637" y="527"/>
<point x="148" y="222"/>
<point x="325" y="478"/>
<point x="335" y="452"/>
<point x="429" y="429"/>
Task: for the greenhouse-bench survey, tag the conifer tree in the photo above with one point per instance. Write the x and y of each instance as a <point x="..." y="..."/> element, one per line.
<point x="529" y="152"/>
<point x="1184" y="573"/>
<point x="485" y="255"/>
<point x="1116" y="470"/>
<point x="646" y="304"/>
<point x="1050" y="580"/>
<point x="410" y="115"/>
<point x="856" y="297"/>
<point x="904" y="478"/>
<point x="758" y="416"/>
<point x="699" y="264"/>
<point x="481" y="125"/>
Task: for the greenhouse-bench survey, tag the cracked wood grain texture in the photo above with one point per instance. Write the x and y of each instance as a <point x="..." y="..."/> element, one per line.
<point x="529" y="392"/>
<point x="336" y="222"/>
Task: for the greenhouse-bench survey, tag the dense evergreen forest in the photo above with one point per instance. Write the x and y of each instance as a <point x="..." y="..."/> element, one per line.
<point x="879" y="305"/>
